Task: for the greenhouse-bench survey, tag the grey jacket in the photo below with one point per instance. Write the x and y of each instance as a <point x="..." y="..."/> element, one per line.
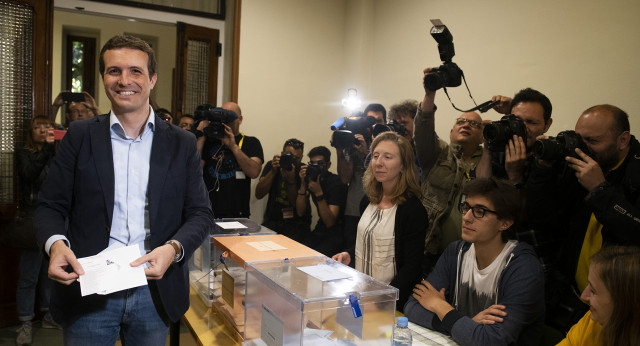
<point x="443" y="172"/>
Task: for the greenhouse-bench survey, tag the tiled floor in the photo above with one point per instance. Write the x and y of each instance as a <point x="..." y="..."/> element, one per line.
<point x="53" y="337"/>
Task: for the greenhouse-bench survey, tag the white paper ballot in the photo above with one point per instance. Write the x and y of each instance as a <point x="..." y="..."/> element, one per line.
<point x="267" y="245"/>
<point x="324" y="272"/>
<point x="230" y="225"/>
<point x="109" y="271"/>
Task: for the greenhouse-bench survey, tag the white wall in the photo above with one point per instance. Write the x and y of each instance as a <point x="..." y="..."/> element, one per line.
<point x="298" y="57"/>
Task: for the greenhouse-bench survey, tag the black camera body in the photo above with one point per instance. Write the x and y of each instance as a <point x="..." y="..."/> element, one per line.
<point x="313" y="171"/>
<point x="288" y="162"/>
<point x="448" y="74"/>
<point x="392" y="125"/>
<point x="217" y="117"/>
<point x="344" y="130"/>
<point x="559" y="147"/>
<point x="498" y="133"/>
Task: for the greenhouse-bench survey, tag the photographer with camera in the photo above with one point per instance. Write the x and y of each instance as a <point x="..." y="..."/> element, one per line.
<point x="79" y="106"/>
<point x="352" y="140"/>
<point x="588" y="200"/>
<point x="402" y="113"/>
<point x="445" y="167"/>
<point x="281" y="180"/>
<point x="329" y="195"/>
<point x="509" y="141"/>
<point x="230" y="159"/>
<point x="376" y="111"/>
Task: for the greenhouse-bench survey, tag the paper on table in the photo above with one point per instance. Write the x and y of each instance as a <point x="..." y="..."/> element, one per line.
<point x="230" y="225"/>
<point x="109" y="271"/>
<point x="266" y="245"/>
<point x="324" y="272"/>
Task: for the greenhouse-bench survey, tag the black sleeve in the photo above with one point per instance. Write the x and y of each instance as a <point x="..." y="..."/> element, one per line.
<point x="252" y="147"/>
<point x="410" y="231"/>
<point x="30" y="164"/>
<point x="336" y="193"/>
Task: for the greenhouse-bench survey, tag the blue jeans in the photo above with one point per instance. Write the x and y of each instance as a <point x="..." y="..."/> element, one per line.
<point x="130" y="313"/>
<point x="32" y="271"/>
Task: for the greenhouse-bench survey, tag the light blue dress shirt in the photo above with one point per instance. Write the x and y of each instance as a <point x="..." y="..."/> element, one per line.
<point x="131" y="157"/>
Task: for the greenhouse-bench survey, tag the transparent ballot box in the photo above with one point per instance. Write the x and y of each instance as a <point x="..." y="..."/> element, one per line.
<point x="236" y="253"/>
<point x="205" y="265"/>
<point x="316" y="301"/>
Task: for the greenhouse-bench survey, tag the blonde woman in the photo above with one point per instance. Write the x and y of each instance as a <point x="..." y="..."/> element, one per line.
<point x="392" y="227"/>
<point x="613" y="293"/>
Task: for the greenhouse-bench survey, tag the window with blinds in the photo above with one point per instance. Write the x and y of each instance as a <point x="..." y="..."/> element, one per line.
<point x="16" y="89"/>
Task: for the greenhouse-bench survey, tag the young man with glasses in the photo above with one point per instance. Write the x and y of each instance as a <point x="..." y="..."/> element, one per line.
<point x="485" y="289"/>
<point x="445" y="167"/>
<point x="281" y="180"/>
<point x="329" y="194"/>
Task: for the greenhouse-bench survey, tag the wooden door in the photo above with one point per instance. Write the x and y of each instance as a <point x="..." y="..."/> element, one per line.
<point x="196" y="74"/>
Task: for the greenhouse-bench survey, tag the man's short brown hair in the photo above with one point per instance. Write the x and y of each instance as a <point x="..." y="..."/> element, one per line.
<point x="131" y="42"/>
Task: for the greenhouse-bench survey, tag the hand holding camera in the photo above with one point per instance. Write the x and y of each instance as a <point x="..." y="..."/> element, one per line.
<point x="588" y="171"/>
<point x="50" y="135"/>
<point x="228" y="139"/>
<point x="504" y="105"/>
<point x="515" y="157"/>
<point x="275" y="162"/>
<point x="213" y="122"/>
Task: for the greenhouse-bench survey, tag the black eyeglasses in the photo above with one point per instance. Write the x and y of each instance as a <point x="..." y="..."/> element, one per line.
<point x="295" y="143"/>
<point x="478" y="212"/>
<point x="316" y="163"/>
<point x="472" y="123"/>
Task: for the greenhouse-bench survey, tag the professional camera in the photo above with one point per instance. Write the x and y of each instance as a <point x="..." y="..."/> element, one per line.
<point x="313" y="171"/>
<point x="217" y="117"/>
<point x="345" y="128"/>
<point x="559" y="147"/>
<point x="498" y="133"/>
<point x="287" y="160"/>
<point x="392" y="125"/>
<point x="448" y="74"/>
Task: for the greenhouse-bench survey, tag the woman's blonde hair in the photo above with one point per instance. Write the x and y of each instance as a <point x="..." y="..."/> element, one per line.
<point x="407" y="184"/>
<point x="619" y="269"/>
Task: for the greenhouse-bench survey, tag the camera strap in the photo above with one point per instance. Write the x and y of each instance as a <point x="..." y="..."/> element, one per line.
<point x="241" y="141"/>
<point x="482" y="107"/>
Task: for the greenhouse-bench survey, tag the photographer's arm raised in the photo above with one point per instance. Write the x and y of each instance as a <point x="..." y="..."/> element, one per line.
<point x="424" y="137"/>
<point x="345" y="168"/>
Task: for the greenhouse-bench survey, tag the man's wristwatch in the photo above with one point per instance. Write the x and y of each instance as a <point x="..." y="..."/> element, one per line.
<point x="177" y="248"/>
<point x="319" y="198"/>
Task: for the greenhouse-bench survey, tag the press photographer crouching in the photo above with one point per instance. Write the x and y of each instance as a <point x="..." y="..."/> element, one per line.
<point x="230" y="159"/>
<point x="588" y="199"/>
<point x="281" y="180"/>
<point x="329" y="195"/>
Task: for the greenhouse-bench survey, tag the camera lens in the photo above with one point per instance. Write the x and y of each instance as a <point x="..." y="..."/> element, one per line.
<point x="434" y="81"/>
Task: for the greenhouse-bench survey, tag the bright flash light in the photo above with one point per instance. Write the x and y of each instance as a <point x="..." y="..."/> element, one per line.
<point x="352" y="102"/>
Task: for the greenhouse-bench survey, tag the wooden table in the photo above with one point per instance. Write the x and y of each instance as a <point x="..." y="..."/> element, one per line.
<point x="205" y="324"/>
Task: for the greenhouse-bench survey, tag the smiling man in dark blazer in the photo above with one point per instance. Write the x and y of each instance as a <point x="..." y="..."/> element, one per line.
<point x="110" y="177"/>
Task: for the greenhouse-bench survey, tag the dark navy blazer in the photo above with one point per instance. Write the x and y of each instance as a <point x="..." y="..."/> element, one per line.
<point x="80" y="189"/>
